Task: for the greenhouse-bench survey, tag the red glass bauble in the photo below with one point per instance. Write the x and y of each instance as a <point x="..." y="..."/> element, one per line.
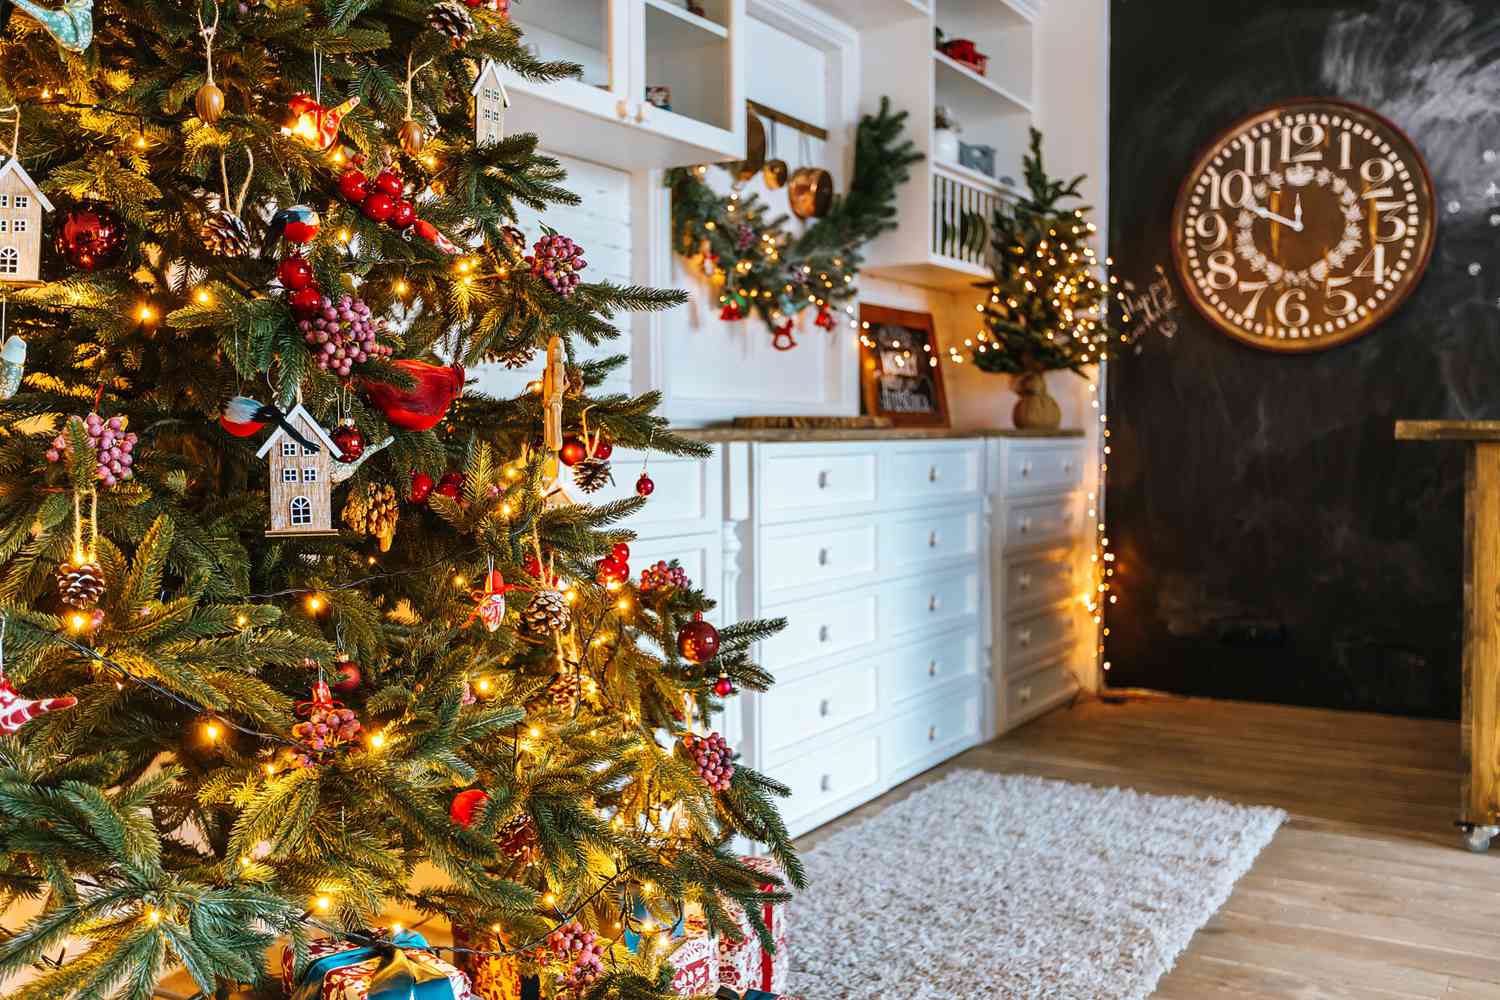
<point x="421" y="487"/>
<point x="306" y="301"/>
<point x="389" y="182"/>
<point x="466" y="805"/>
<point x="423" y="406"/>
<point x="644" y="486"/>
<point x="723" y="687"/>
<point x="348" y="676"/>
<point x="573" y="451"/>
<point x="603" y="448"/>
<point x="620" y="552"/>
<point x="90" y="236"/>
<point x="378" y="206"/>
<point x="354" y="186"/>
<point x="451" y="485"/>
<point x="295" y="273"/>
<point x="698" y="641"/>
<point x="404" y="214"/>
<point x="350" y="441"/>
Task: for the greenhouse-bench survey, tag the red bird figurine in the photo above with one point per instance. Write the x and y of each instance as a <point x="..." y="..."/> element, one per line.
<point x="425" y="403"/>
<point x="314" y="124"/>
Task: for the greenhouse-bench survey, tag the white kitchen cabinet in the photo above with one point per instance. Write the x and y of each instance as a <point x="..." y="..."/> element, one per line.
<point x="624" y="47"/>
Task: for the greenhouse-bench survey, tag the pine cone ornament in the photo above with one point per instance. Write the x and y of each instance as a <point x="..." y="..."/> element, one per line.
<point x="519" y="358"/>
<point x="564" y="690"/>
<point x="450" y="18"/>
<point x="712" y="759"/>
<point x="518" y="840"/>
<point x="224" y="233"/>
<point x="548" y="612"/>
<point x="80" y="585"/>
<point x="373" y="511"/>
<point x="592" y="475"/>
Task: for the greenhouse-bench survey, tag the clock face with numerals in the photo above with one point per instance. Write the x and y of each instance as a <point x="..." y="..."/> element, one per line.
<point x="1304" y="226"/>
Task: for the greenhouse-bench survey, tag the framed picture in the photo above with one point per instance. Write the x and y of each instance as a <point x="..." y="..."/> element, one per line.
<point x="900" y="375"/>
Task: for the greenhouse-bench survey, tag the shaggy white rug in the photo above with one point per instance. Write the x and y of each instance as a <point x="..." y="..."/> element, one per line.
<point x="989" y="886"/>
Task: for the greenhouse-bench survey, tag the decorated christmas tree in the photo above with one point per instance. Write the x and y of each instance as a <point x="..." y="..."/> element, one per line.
<point x="297" y="628"/>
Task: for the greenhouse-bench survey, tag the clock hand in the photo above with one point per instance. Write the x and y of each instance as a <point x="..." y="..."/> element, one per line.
<point x="1293" y="224"/>
<point x="1299" y="208"/>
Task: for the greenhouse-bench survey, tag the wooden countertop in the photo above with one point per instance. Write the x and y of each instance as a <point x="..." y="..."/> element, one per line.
<point x="1448" y="430"/>
<point x="716" y="435"/>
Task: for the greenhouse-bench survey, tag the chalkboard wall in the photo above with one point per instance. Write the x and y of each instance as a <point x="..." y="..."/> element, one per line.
<point x="1274" y="542"/>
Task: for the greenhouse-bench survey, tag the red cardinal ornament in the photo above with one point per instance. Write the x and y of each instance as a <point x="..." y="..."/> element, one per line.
<point x="466" y="805"/>
<point x="16" y="711"/>
<point x="314" y="124"/>
<point x="421" y="407"/>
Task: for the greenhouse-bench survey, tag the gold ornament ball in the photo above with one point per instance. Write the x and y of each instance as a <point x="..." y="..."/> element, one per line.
<point x="209" y="103"/>
<point x="412" y="137"/>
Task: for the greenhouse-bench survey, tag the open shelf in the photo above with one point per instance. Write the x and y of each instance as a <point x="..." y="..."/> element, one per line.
<point x="956" y="72"/>
<point x="678" y="26"/>
<point x="972" y="177"/>
<point x="874" y="13"/>
<point x="1008" y="12"/>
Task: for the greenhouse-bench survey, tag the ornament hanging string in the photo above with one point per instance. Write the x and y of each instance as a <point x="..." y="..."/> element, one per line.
<point x="208" y="31"/>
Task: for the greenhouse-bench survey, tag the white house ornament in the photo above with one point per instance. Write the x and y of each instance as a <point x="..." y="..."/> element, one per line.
<point x="21" y="206"/>
<point x="490" y="104"/>
<point x="301" y="477"/>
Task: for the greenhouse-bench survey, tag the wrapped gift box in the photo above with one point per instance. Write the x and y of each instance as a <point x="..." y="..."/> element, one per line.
<point x="491" y="977"/>
<point x="745" y="964"/>
<point x="342" y="970"/>
<point x="695" y="966"/>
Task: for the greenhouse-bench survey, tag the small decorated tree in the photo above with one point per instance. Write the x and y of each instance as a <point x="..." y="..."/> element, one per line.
<point x="1046" y="309"/>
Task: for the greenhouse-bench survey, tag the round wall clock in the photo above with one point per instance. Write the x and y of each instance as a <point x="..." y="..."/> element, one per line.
<point x="1304" y="226"/>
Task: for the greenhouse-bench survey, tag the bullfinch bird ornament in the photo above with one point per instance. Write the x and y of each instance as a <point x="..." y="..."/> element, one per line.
<point x="243" y="416"/>
<point x="72" y="24"/>
<point x="297" y="224"/>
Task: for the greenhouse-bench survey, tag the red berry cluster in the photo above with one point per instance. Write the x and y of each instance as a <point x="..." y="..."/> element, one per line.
<point x="712" y="759"/>
<point x="572" y="942"/>
<point x="342" y="334"/>
<point x="111" y="443"/>
<point x="557" y="260"/>
<point x="423" y="486"/>
<point x="615" y="567"/>
<point x="663" y="577"/>
<point x="383" y="200"/>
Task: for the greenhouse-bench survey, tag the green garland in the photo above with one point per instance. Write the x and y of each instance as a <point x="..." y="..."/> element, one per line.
<point x="761" y="266"/>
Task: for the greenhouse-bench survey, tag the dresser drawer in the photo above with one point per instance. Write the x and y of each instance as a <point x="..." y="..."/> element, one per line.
<point x="1034" y="581"/>
<point x="807" y="708"/>
<point x="1044" y="521"/>
<point x="819" y="628"/>
<point x="688" y="497"/>
<point x="916" y="541"/>
<point x="810" y="481"/>
<point x="931" y="731"/>
<point x="927" y="666"/>
<point x="1043" y="468"/>
<point x="1026" y="696"/>
<point x="928" y="603"/>
<point x="1032" y="636"/>
<point x="794" y="557"/>
<point x="934" y="473"/>
<point x="821" y="779"/>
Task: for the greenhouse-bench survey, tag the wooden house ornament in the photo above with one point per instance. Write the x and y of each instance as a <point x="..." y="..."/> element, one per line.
<point x="301" y="478"/>
<point x="21" y="206"/>
<point x="490" y="103"/>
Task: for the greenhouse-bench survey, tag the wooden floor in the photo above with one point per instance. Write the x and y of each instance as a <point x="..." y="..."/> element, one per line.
<point x="1365" y="894"/>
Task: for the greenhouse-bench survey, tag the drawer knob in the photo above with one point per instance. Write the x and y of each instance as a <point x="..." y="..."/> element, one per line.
<point x="622" y="109"/>
<point x="1024" y="636"/>
<point x="932" y="734"/>
<point x="1025" y="525"/>
<point x="932" y="668"/>
<point x="1025" y="470"/>
<point x="932" y="474"/>
<point x="825" y="708"/>
<point x="823" y="557"/>
<point x="933" y="603"/>
<point x="640" y="113"/>
<point x="1025" y="581"/>
<point x="1068" y="465"/>
<point x="1024" y="694"/>
<point x="824" y="633"/>
<point x="826" y="784"/>
<point x="932" y="540"/>
<point x="823" y="479"/>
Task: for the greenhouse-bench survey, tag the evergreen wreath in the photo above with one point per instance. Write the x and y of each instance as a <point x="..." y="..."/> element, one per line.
<point x="761" y="266"/>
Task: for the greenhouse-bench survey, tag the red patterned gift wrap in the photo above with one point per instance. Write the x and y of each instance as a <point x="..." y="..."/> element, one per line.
<point x="745" y="965"/>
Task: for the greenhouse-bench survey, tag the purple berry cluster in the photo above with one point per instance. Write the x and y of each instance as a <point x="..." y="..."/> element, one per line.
<point x="662" y="576"/>
<point x="111" y="442"/>
<point x="712" y="758"/>
<point x="557" y="260"/>
<point x="328" y="725"/>
<point x="572" y="941"/>
<point x="342" y="334"/>
<point x="744" y="239"/>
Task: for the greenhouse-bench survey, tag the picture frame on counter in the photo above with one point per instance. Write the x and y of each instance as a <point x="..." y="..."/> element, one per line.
<point x="900" y="377"/>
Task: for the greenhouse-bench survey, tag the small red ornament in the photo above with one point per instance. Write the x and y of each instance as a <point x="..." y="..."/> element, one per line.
<point x="620" y="552"/>
<point x="611" y="570"/>
<point x="313" y="123"/>
<point x="404" y="214"/>
<point x="91" y="236"/>
<point x="295" y="273"/>
<point x="389" y="182"/>
<point x="350" y="441"/>
<point x="644" y="486"/>
<point x="782" y="338"/>
<point x="723" y="687"/>
<point x="354" y="186"/>
<point x="732" y="311"/>
<point x="825" y="319"/>
<point x="306" y="301"/>
<point x="348" y="675"/>
<point x="378" y="207"/>
<point x="603" y="448"/>
<point x="466" y="805"/>
<point x="421" y="487"/>
<point x="451" y="485"/>
<point x="698" y="641"/>
<point x="573" y="450"/>
<point x="421" y="407"/>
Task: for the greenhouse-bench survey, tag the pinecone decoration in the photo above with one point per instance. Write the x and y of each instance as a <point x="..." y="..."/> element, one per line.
<point x="224" y="233"/>
<point x="564" y="690"/>
<point x="80" y="585"/>
<point x="450" y="18"/>
<point x="548" y="612"/>
<point x="557" y="260"/>
<point x="712" y="759"/>
<point x="518" y="358"/>
<point x="592" y="474"/>
<point x="373" y="511"/>
<point x="518" y="840"/>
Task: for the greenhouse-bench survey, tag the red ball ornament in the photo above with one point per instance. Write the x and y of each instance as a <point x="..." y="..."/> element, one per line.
<point x="404" y="214"/>
<point x="91" y="236"/>
<point x="466" y="805"/>
<point x="573" y="451"/>
<point x="350" y="441"/>
<point x="389" y="183"/>
<point x="644" y="486"/>
<point x="378" y="207"/>
<point x="620" y="552"/>
<point x="451" y="485"/>
<point x="698" y="641"/>
<point x="348" y="675"/>
<point x="295" y="273"/>
<point x="354" y="186"/>
<point x="603" y="448"/>
<point x="723" y="687"/>
<point x="306" y="301"/>
<point x="421" y="487"/>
